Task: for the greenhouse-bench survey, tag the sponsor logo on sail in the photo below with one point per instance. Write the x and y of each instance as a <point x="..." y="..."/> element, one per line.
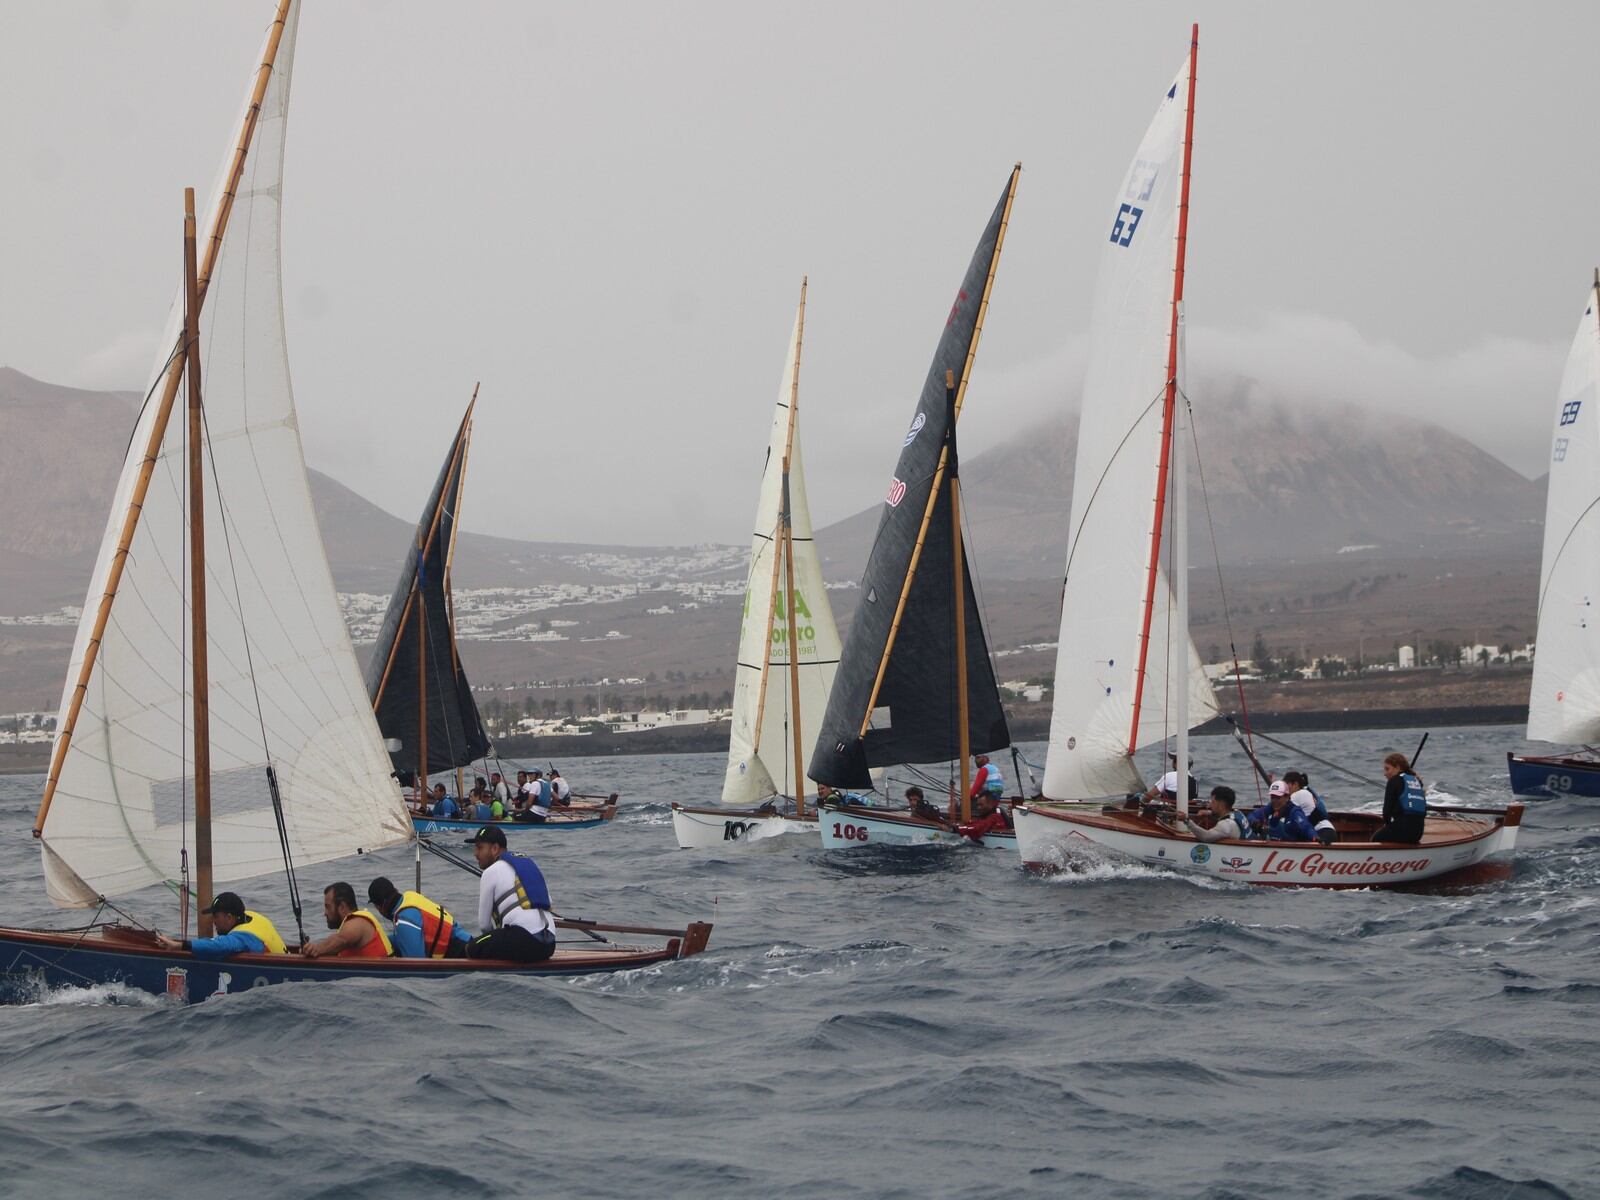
<point x="961" y="298"/>
<point x="917" y="423"/>
<point x="897" y="493"/>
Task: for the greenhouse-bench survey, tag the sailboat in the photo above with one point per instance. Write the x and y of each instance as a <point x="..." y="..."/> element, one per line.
<point x="213" y="725"/>
<point x="915" y="681"/>
<point x="788" y="649"/>
<point x="1127" y="671"/>
<point x="419" y="689"/>
<point x="1564" y="702"/>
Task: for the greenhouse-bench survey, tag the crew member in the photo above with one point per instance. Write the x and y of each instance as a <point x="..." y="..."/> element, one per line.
<point x="560" y="790"/>
<point x="513" y="904"/>
<point x="1301" y="795"/>
<point x="1280" y="820"/>
<point x="421" y="928"/>
<point x="991" y="818"/>
<point x="1405" y="802"/>
<point x="444" y="804"/>
<point x="1226" y="824"/>
<point x="987" y="780"/>
<point x="357" y="933"/>
<point x="239" y="931"/>
<point x="920" y="808"/>
<point x="534" y="802"/>
<point x="1167" y="789"/>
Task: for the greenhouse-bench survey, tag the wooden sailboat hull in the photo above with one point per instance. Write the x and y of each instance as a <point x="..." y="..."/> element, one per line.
<point x="559" y="821"/>
<point x="704" y="828"/>
<point x="1461" y="845"/>
<point x="31" y="959"/>
<point x="850" y="827"/>
<point x="1534" y="775"/>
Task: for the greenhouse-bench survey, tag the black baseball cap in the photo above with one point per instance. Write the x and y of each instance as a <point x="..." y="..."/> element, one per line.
<point x="226" y="902"/>
<point x="488" y="834"/>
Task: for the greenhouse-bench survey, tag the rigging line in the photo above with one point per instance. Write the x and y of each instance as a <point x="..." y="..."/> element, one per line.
<point x="1216" y="557"/>
<point x="161" y="376"/>
<point x="1332" y="766"/>
<point x="1115" y="454"/>
<point x="250" y="667"/>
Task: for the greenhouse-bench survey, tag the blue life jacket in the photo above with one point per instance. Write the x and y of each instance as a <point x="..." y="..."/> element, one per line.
<point x="1413" y="801"/>
<point x="530" y="891"/>
<point x="1243" y="822"/>
<point x="1320" y="813"/>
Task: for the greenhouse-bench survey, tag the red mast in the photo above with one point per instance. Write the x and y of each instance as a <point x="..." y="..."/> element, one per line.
<point x="1170" y="401"/>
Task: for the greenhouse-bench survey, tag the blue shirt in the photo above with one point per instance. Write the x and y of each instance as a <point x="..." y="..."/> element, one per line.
<point x="221" y="946"/>
<point x="1290" y="825"/>
<point x="446" y="808"/>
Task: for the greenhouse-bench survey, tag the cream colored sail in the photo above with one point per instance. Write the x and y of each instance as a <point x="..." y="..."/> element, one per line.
<point x="1113" y="499"/>
<point x="284" y="679"/>
<point x="761" y="756"/>
<point x="1564" y="702"/>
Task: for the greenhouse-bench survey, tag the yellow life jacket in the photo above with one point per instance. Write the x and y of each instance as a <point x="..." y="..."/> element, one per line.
<point x="376" y="947"/>
<point x="255" y="923"/>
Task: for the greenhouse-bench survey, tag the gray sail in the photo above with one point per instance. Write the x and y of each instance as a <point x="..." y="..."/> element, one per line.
<point x="894" y="699"/>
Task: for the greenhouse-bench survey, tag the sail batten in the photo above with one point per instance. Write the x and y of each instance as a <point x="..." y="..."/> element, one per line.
<point x="759" y="745"/>
<point x="284" y="686"/>
<point x="1564" y="699"/>
<point x="1111" y="678"/>
<point x="899" y="653"/>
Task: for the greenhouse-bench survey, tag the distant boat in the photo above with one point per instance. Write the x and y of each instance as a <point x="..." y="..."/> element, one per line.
<point x="915" y="682"/>
<point x="214" y="727"/>
<point x="1564" y="701"/>
<point x="1127" y="672"/>
<point x="420" y="695"/>
<point x="788" y="649"/>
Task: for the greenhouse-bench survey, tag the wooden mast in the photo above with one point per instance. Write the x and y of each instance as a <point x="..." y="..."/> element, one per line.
<point x="938" y="475"/>
<point x="1167" y="413"/>
<point x="197" y="573"/>
<point x="450" y="555"/>
<point x="958" y="572"/>
<point x="778" y="537"/>
<point x="158" y="427"/>
<point x="420" y="611"/>
<point x="788" y="558"/>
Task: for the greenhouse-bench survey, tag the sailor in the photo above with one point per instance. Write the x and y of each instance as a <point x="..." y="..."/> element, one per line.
<point x="1280" y="820"/>
<point x="1308" y="802"/>
<point x="920" y="808"/>
<point x="1226" y="824"/>
<point x="1167" y="789"/>
<point x="1405" y="802"/>
<point x="533" y="804"/>
<point x="560" y="790"/>
<point x="357" y="933"/>
<point x="239" y="931"/>
<point x="988" y="780"/>
<point x="421" y="928"/>
<point x="991" y="818"/>
<point x="443" y="805"/>
<point x="513" y="904"/>
<point x="500" y="788"/>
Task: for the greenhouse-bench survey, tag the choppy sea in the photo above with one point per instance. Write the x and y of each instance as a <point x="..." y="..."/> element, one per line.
<point x="872" y="1023"/>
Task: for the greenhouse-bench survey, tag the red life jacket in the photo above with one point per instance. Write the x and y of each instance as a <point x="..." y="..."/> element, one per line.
<point x="377" y="946"/>
<point x="437" y="923"/>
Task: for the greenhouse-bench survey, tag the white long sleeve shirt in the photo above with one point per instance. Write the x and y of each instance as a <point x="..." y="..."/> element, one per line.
<point x="497" y="879"/>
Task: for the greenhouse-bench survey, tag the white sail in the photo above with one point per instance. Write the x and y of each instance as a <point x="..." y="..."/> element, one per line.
<point x="1114" y="491"/>
<point x="1564" y="703"/>
<point x="280" y="659"/>
<point x="761" y="760"/>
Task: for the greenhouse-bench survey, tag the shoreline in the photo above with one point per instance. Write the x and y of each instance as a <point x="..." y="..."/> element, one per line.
<point x="1031" y="727"/>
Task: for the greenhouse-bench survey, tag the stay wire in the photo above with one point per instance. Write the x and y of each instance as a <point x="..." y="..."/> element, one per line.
<point x="1227" y="614"/>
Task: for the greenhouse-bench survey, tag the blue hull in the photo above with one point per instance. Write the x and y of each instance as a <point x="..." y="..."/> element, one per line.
<point x="33" y="960"/>
<point x="1553" y="776"/>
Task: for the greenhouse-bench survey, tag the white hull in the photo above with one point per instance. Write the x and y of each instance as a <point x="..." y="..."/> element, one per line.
<point x="702" y="829"/>
<point x="1048" y="836"/>
<point x="852" y="828"/>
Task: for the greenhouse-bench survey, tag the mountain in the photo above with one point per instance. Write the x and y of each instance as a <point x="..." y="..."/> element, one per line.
<point x="1285" y="481"/>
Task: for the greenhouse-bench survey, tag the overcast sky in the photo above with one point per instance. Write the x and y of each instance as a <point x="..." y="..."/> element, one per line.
<point x="604" y="211"/>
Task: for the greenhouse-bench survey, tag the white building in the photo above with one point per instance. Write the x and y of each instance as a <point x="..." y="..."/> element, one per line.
<point x="1407" y="657"/>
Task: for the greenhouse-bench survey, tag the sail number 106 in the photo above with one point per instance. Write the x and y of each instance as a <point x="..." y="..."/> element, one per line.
<point x="849" y="833"/>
